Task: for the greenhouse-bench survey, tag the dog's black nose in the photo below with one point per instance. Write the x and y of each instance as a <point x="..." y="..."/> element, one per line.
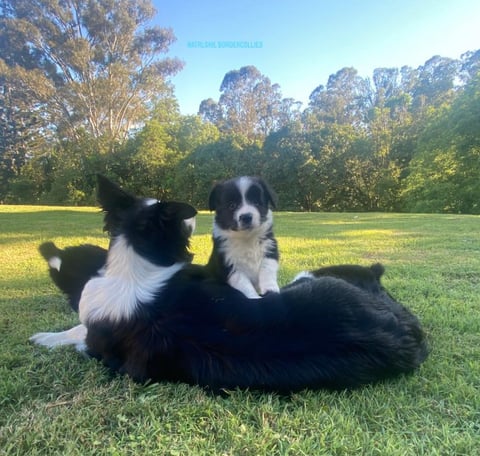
<point x="246" y="219"/>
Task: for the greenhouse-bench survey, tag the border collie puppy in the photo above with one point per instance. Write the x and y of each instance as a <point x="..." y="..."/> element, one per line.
<point x="155" y="316"/>
<point x="245" y="252"/>
<point x="368" y="278"/>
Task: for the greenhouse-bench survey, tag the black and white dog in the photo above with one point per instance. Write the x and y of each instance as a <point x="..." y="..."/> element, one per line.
<point x="245" y="252"/>
<point x="153" y="315"/>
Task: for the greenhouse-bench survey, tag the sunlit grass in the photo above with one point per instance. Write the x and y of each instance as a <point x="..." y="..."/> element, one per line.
<point x="58" y="402"/>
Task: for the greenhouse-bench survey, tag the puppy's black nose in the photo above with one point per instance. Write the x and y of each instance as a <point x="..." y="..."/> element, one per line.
<point x="246" y="219"/>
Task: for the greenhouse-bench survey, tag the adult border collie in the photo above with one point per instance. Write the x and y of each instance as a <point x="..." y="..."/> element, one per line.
<point x="245" y="251"/>
<point x="153" y="315"/>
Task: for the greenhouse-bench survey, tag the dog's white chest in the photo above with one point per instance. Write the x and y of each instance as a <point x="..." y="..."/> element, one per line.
<point x="245" y="256"/>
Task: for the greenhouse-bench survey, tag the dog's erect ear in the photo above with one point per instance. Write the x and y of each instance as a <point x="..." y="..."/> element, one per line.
<point x="111" y="197"/>
<point x="271" y="195"/>
<point x="180" y="211"/>
<point x="213" y="198"/>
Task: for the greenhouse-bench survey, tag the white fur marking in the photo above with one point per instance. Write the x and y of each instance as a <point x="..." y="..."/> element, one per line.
<point x="267" y="280"/>
<point x="191" y="223"/>
<point x="303" y="275"/>
<point x="73" y="336"/>
<point x="241" y="283"/>
<point x="55" y="263"/>
<point x="244" y="183"/>
<point x="150" y="201"/>
<point x="130" y="280"/>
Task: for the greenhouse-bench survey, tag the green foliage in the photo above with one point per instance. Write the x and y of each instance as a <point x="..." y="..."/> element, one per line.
<point x="249" y="105"/>
<point x="445" y="169"/>
<point x="215" y="161"/>
<point x="57" y="402"/>
<point x="98" y="59"/>
<point x="83" y="90"/>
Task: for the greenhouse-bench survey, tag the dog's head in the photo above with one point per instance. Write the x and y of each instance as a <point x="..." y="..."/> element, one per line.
<point x="158" y="231"/>
<point x="242" y="203"/>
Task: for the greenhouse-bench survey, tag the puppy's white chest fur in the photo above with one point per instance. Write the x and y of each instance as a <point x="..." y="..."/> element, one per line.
<point x="246" y="253"/>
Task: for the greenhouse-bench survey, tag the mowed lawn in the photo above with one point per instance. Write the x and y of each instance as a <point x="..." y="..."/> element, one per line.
<point x="59" y="402"/>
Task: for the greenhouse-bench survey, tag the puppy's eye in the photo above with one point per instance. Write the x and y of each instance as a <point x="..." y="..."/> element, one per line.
<point x="232" y="206"/>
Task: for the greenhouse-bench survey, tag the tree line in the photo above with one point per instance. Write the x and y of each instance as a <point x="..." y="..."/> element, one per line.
<point x="84" y="88"/>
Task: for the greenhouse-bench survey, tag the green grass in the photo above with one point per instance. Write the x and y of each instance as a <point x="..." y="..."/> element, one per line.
<point x="58" y="402"/>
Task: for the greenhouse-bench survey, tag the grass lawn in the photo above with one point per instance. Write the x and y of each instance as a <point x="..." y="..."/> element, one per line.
<point x="58" y="402"/>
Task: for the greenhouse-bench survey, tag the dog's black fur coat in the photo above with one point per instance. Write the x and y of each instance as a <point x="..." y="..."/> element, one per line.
<point x="325" y="332"/>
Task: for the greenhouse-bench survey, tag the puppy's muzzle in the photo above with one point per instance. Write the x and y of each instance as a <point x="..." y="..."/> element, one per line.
<point x="245" y="220"/>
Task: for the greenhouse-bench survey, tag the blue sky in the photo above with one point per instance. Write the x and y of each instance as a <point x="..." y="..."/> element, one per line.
<point x="298" y="44"/>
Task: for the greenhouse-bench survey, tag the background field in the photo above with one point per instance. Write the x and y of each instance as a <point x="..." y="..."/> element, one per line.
<point x="58" y="402"/>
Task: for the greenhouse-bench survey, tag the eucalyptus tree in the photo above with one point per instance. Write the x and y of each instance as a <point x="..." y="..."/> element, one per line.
<point x="249" y="105"/>
<point x="345" y="99"/>
<point x="97" y="63"/>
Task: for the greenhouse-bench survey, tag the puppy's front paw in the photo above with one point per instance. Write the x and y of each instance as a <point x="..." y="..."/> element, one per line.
<point x="270" y="289"/>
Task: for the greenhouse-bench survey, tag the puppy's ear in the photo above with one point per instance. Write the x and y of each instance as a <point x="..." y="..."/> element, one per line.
<point x="270" y="194"/>
<point x="111" y="197"/>
<point x="213" y="198"/>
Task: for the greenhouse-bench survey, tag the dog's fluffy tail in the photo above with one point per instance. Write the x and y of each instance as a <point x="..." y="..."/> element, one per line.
<point x="52" y="254"/>
<point x="48" y="250"/>
<point x="71" y="268"/>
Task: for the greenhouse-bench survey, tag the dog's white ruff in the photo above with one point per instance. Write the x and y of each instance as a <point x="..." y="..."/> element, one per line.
<point x="129" y="280"/>
<point x="74" y="336"/>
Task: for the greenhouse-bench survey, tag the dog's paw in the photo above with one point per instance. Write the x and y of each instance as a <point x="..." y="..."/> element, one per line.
<point x="270" y="289"/>
<point x="75" y="336"/>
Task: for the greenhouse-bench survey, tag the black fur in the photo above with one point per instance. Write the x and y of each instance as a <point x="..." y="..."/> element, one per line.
<point x="367" y="278"/>
<point x="323" y="333"/>
<point x="326" y="332"/>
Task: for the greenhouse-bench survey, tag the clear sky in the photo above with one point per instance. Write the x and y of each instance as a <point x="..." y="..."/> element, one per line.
<point x="299" y="43"/>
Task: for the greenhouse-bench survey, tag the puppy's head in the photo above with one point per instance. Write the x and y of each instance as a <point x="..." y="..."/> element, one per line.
<point x="242" y="203"/>
<point x="158" y="231"/>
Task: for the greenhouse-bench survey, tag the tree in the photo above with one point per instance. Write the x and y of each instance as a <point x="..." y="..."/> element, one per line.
<point x="435" y="81"/>
<point x="19" y="125"/>
<point x="98" y="58"/>
<point x="444" y="171"/>
<point x="345" y="99"/>
<point x="229" y="156"/>
<point x="249" y="105"/>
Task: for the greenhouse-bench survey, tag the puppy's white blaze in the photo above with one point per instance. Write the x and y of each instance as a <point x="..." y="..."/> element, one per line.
<point x="303" y="275"/>
<point x="267" y="280"/>
<point x="74" y="336"/>
<point x="244" y="183"/>
<point x="130" y="280"/>
<point x="55" y="263"/>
